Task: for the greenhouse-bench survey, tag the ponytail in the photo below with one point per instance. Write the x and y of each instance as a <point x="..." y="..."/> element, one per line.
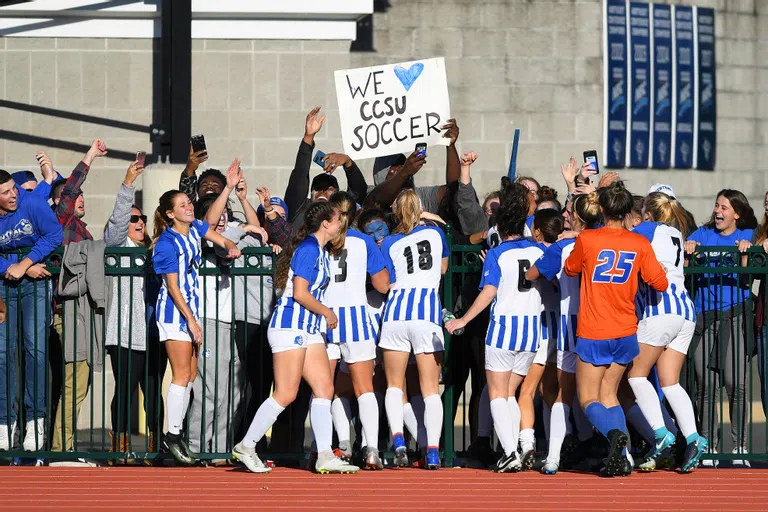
<point x="345" y="204"/>
<point x="666" y="210"/>
<point x="161" y="219"/>
<point x="407" y="212"/>
<point x="587" y="209"/>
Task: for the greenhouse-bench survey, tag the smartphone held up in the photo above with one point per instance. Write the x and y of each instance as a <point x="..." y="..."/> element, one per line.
<point x="590" y="157"/>
<point x="421" y="149"/>
<point x="141" y="157"/>
<point x="198" y="144"/>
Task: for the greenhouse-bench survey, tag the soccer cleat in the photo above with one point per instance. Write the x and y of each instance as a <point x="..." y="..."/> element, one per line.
<point x="174" y="444"/>
<point x="249" y="459"/>
<point x="527" y="459"/>
<point x="346" y="456"/>
<point x="647" y="466"/>
<point x="569" y="452"/>
<point x="482" y="451"/>
<point x="616" y="462"/>
<point x="507" y="464"/>
<point x="661" y="445"/>
<point x="550" y="467"/>
<point x="372" y="460"/>
<point x="328" y="463"/>
<point x="693" y="453"/>
<point x="741" y="462"/>
<point x="34" y="438"/>
<point x="401" y="452"/>
<point x="433" y="458"/>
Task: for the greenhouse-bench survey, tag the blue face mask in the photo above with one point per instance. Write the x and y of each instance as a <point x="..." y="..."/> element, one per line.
<point x="377" y="229"/>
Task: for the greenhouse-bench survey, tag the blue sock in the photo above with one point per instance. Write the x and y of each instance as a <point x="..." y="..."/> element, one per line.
<point x="692" y="438"/>
<point x="617" y="419"/>
<point x="599" y="416"/>
<point x="660" y="433"/>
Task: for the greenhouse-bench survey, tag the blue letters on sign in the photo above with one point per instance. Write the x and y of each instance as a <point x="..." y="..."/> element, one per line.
<point x="616" y="82"/>
<point x="707" y="112"/>
<point x="608" y="270"/>
<point x="686" y="85"/>
<point x="640" y="84"/>
<point x="661" y="135"/>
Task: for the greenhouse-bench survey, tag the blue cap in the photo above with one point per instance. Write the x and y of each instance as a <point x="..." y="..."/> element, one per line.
<point x="21" y="177"/>
<point x="274" y="201"/>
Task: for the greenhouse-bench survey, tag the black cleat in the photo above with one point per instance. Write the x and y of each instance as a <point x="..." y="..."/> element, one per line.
<point x="528" y="459"/>
<point x="507" y="464"/>
<point x="615" y="463"/>
<point x="176" y="447"/>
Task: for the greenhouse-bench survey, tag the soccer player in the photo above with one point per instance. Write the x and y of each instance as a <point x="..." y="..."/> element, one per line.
<point x="176" y="257"/>
<point x="355" y="255"/>
<point x="514" y="331"/>
<point x="610" y="260"/>
<point x="665" y="331"/>
<point x="416" y="257"/>
<point x="298" y="349"/>
<point x="585" y="215"/>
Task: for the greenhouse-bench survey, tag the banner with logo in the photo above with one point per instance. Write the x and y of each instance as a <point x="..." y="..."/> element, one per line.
<point x="616" y="84"/>
<point x="707" y="112"/>
<point x="661" y="134"/>
<point x="640" y="82"/>
<point x="685" y="84"/>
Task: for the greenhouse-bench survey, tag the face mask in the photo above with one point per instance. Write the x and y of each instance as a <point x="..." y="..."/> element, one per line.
<point x="377" y="229"/>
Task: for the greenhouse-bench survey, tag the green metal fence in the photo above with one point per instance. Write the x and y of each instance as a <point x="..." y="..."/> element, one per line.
<point x="91" y="415"/>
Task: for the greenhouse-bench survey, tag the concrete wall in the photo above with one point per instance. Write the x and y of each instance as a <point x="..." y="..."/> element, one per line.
<point x="534" y="65"/>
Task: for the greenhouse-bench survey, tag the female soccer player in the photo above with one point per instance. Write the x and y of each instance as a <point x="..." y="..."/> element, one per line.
<point x="176" y="258"/>
<point x="585" y="214"/>
<point x="719" y="304"/>
<point x="610" y="260"/>
<point x="354" y="256"/>
<point x="514" y="331"/>
<point x="665" y="331"/>
<point x="416" y="257"/>
<point x="298" y="348"/>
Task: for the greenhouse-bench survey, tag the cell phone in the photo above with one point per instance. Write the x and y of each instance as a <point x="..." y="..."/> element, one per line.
<point x="141" y="156"/>
<point x="590" y="157"/>
<point x="198" y="143"/>
<point x="319" y="155"/>
<point x="421" y="149"/>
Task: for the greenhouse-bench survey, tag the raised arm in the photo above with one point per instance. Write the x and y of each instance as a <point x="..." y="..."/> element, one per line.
<point x="188" y="178"/>
<point x="117" y="227"/>
<point x="234" y="174"/>
<point x="241" y="191"/>
<point x="468" y="209"/>
<point x="73" y="187"/>
<point x="452" y="161"/>
<point x="297" y="191"/>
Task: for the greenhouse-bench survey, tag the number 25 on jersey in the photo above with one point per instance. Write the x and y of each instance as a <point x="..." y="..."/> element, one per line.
<point x="613" y="267"/>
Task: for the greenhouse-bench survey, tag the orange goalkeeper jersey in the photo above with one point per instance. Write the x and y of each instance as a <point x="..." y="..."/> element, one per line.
<point x="611" y="260"/>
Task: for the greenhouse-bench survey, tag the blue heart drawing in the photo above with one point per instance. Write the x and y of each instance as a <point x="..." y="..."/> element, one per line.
<point x="408" y="76"/>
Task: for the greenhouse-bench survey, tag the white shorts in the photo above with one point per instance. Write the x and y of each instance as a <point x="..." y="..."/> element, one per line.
<point x="566" y="361"/>
<point x="420" y="335"/>
<point x="281" y="340"/>
<point x="546" y="352"/>
<point x="333" y="350"/>
<point x="502" y="360"/>
<point x="352" y="351"/>
<point x="670" y="331"/>
<point x="172" y="332"/>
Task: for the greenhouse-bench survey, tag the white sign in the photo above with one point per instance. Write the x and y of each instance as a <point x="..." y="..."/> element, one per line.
<point x="389" y="109"/>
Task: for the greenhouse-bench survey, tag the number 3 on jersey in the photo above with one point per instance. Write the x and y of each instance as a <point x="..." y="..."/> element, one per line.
<point x="612" y="267"/>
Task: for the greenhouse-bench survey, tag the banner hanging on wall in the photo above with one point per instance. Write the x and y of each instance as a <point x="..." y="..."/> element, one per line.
<point x="704" y="157"/>
<point x="615" y="80"/>
<point x="639" y="89"/>
<point x="685" y="84"/>
<point x="661" y="135"/>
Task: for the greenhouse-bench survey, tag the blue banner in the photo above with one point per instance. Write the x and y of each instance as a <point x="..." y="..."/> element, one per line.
<point x="684" y="88"/>
<point x="661" y="135"/>
<point x="640" y="82"/>
<point x="707" y="111"/>
<point x="616" y="83"/>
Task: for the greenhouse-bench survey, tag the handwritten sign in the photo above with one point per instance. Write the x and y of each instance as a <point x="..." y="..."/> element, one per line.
<point x="389" y="109"/>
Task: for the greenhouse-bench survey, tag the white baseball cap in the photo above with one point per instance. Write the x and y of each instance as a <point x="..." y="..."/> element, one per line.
<point x="664" y="189"/>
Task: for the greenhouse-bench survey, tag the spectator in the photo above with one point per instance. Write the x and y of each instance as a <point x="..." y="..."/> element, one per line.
<point x="25" y="222"/>
<point x="25" y="180"/>
<point x="137" y="360"/>
<point x="70" y="210"/>
<point x="272" y="215"/>
<point x="323" y="185"/>
<point x="188" y="182"/>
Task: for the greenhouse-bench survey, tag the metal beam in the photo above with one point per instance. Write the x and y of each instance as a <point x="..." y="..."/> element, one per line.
<point x="176" y="80"/>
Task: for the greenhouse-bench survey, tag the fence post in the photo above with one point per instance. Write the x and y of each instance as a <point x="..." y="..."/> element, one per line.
<point x="448" y="393"/>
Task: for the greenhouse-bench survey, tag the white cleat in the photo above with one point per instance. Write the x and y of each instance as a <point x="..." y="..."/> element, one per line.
<point x="249" y="459"/>
<point x="327" y="463"/>
<point x="34" y="438"/>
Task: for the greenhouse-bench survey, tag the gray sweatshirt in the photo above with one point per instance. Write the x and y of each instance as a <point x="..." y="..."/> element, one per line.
<point x="469" y="211"/>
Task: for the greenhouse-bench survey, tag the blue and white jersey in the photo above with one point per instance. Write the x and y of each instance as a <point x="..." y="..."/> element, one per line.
<point x="175" y="253"/>
<point x="493" y="239"/>
<point x="516" y="310"/>
<point x="346" y="294"/>
<point x="414" y="262"/>
<point x="311" y="262"/>
<point x="550" y="303"/>
<point x="667" y="243"/>
<point x="376" y="303"/>
<point x="550" y="266"/>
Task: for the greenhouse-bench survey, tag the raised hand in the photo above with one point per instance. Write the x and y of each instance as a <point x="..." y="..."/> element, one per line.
<point x="195" y="159"/>
<point x="451" y="130"/>
<point x="241" y="190"/>
<point x="608" y="179"/>
<point x="335" y="160"/>
<point x="133" y="172"/>
<point x="46" y="166"/>
<point x="234" y="174"/>
<point x="413" y="164"/>
<point x="570" y="172"/>
<point x="314" y="123"/>
<point x="263" y="193"/>
<point x="468" y="158"/>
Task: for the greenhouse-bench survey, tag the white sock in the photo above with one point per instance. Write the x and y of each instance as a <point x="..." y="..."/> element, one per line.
<point x="484" y="419"/>
<point x="369" y="417"/>
<point x="681" y="405"/>
<point x="648" y="401"/>
<point x="393" y="403"/>
<point x="546" y="412"/>
<point x="322" y="423"/>
<point x="379" y="402"/>
<point x="502" y="421"/>
<point x="262" y="421"/>
<point x="557" y="430"/>
<point x="409" y="418"/>
<point x="187" y="396"/>
<point x="340" y="412"/>
<point x="433" y="420"/>
<point x="583" y="425"/>
<point x="417" y="402"/>
<point x="668" y="421"/>
<point x="636" y="417"/>
<point x="528" y="439"/>
<point x="514" y="410"/>
<point x="176" y="409"/>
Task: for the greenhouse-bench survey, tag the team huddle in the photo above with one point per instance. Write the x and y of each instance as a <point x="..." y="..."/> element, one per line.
<point x="574" y="301"/>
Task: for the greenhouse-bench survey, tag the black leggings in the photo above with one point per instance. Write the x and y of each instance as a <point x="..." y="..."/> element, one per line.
<point x="123" y="360"/>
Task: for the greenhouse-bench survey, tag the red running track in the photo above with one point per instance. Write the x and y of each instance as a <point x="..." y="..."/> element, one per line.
<point x="64" y="489"/>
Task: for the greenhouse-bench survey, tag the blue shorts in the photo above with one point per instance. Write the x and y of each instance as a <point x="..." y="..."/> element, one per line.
<point x="605" y="352"/>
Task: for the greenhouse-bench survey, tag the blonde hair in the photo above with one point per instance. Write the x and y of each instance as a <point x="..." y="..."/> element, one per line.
<point x="162" y="221"/>
<point x="666" y="210"/>
<point x="587" y="209"/>
<point x="407" y="212"/>
<point x="346" y="206"/>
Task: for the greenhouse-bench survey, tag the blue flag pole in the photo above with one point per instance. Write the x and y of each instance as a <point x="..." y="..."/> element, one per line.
<point x="513" y="158"/>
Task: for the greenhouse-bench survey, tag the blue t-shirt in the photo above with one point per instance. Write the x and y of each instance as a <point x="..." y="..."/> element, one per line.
<point x="719" y="291"/>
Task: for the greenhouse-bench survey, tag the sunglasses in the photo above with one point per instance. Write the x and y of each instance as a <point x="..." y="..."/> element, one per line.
<point x="135" y="218"/>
